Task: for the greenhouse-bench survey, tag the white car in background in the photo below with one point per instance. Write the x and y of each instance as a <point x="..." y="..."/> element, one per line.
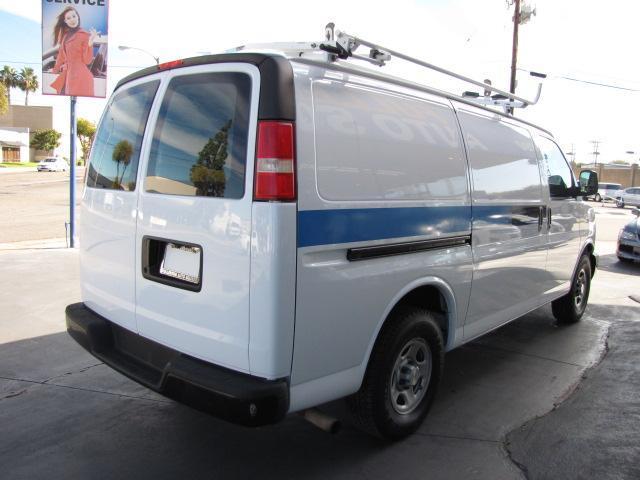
<point x="628" y="197"/>
<point x="607" y="192"/>
<point x="53" y="164"/>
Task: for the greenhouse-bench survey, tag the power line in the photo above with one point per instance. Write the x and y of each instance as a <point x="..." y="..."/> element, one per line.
<point x="573" y="79"/>
<point x="600" y="84"/>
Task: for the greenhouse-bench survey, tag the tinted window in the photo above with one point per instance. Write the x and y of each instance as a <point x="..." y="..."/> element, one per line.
<point x="558" y="171"/>
<point x="200" y="141"/>
<point x="503" y="161"/>
<point x="116" y="150"/>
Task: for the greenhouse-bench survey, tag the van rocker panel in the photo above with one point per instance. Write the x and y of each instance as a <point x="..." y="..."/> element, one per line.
<point x="224" y="393"/>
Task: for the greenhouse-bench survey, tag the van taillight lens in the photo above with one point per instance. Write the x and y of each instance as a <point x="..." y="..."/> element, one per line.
<point x="275" y="176"/>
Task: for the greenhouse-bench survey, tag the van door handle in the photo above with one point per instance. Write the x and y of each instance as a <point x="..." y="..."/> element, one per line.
<point x="540" y="218"/>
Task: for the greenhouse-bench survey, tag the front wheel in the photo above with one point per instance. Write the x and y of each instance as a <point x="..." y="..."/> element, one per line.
<point x="598" y="198"/>
<point x="571" y="307"/>
<point x="402" y="376"/>
<point x="619" y="203"/>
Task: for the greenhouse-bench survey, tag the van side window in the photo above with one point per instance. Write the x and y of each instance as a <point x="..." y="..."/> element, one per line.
<point x="558" y="171"/>
<point x="503" y="162"/>
<point x="116" y="150"/>
<point x="200" y="141"/>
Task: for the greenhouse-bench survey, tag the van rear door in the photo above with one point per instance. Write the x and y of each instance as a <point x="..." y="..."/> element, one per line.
<point x="108" y="220"/>
<point x="193" y="238"/>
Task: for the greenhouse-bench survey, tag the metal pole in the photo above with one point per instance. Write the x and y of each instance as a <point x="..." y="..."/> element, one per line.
<point x="72" y="176"/>
<point x="514" y="50"/>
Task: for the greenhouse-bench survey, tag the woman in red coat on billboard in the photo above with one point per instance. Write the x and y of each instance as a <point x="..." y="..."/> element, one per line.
<point x="75" y="53"/>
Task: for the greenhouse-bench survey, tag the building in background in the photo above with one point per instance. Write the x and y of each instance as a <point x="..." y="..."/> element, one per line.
<point x="625" y="175"/>
<point x="15" y="123"/>
<point x="14" y="144"/>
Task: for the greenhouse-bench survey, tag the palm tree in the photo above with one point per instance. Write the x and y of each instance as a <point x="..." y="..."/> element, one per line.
<point x="27" y="82"/>
<point x="9" y="78"/>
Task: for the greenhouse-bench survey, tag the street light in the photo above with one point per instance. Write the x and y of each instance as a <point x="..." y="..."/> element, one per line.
<point x="125" y="47"/>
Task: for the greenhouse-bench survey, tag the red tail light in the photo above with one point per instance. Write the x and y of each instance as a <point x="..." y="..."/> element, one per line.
<point x="275" y="177"/>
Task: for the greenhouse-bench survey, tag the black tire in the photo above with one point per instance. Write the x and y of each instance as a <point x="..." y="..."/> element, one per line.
<point x="598" y="197"/>
<point x="620" y="203"/>
<point x="571" y="307"/>
<point x="372" y="407"/>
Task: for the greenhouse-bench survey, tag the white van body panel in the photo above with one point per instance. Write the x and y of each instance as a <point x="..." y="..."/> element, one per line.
<point x="273" y="289"/>
<point x="362" y="181"/>
<point x="212" y="324"/>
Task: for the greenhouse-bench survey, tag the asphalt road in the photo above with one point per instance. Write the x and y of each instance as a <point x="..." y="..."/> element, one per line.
<point x="35" y="205"/>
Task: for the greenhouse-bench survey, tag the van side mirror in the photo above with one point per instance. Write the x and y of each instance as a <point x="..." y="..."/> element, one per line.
<point x="588" y="182"/>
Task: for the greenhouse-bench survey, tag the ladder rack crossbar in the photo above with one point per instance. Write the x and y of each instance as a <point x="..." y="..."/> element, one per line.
<point x="359" y="41"/>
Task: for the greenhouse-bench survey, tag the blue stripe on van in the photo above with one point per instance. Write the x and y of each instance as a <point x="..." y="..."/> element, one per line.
<point x="324" y="227"/>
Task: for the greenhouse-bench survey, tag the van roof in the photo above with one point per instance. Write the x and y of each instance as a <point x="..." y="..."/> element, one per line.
<point x="276" y="71"/>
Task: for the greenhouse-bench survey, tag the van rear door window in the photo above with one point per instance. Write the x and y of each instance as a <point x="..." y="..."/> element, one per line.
<point x="116" y="150"/>
<point x="200" y="141"/>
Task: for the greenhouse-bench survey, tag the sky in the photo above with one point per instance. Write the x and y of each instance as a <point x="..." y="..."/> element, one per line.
<point x="589" y="40"/>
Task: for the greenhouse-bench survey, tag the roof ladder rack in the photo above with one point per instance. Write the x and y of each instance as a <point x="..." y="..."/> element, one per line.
<point x="342" y="45"/>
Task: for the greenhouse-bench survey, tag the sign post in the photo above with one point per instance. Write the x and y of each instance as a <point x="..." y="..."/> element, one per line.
<point x="74" y="64"/>
<point x="72" y="176"/>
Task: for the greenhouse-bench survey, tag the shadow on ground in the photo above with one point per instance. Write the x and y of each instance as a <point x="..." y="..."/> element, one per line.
<point x="65" y="415"/>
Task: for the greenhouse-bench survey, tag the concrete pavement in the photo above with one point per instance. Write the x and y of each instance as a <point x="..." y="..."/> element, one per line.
<point x="64" y="414"/>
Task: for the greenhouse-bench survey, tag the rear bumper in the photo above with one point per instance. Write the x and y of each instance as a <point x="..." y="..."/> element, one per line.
<point x="224" y="393"/>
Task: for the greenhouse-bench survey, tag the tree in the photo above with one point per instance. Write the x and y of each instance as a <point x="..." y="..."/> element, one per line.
<point x="86" y="132"/>
<point x="27" y="82"/>
<point x="4" y="103"/>
<point x="207" y="174"/>
<point x="122" y="153"/>
<point x="9" y="78"/>
<point x="47" y="140"/>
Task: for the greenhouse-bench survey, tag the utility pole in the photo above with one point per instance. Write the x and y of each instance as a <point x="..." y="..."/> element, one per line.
<point x="596" y="151"/>
<point x="572" y="154"/>
<point x="514" y="49"/>
<point x="521" y="15"/>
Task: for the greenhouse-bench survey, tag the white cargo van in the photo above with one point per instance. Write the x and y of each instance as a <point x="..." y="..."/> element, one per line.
<point x="262" y="233"/>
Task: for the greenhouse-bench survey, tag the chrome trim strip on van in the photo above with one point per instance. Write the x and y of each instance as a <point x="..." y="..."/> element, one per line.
<point x="365" y="253"/>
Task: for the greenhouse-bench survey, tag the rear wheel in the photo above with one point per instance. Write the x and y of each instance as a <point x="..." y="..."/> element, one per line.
<point x="402" y="376"/>
<point x="620" y="203"/>
<point x="571" y="307"/>
<point x="598" y="197"/>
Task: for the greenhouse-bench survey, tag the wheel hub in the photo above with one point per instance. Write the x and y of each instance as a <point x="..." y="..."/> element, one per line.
<point x="410" y="376"/>
<point x="580" y="289"/>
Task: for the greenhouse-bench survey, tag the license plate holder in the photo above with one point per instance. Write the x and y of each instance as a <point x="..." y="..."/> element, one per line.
<point x="182" y="262"/>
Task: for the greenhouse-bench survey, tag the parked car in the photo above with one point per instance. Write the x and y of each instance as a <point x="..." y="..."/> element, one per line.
<point x="628" y="196"/>
<point x="629" y="240"/>
<point x="606" y="192"/>
<point x="53" y="164"/>
<point x="365" y="263"/>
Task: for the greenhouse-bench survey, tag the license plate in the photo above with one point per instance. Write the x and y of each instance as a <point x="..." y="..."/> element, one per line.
<point x="182" y="262"/>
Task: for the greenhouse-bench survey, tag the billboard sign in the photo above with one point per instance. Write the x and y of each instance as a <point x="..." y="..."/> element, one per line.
<point x="74" y="47"/>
